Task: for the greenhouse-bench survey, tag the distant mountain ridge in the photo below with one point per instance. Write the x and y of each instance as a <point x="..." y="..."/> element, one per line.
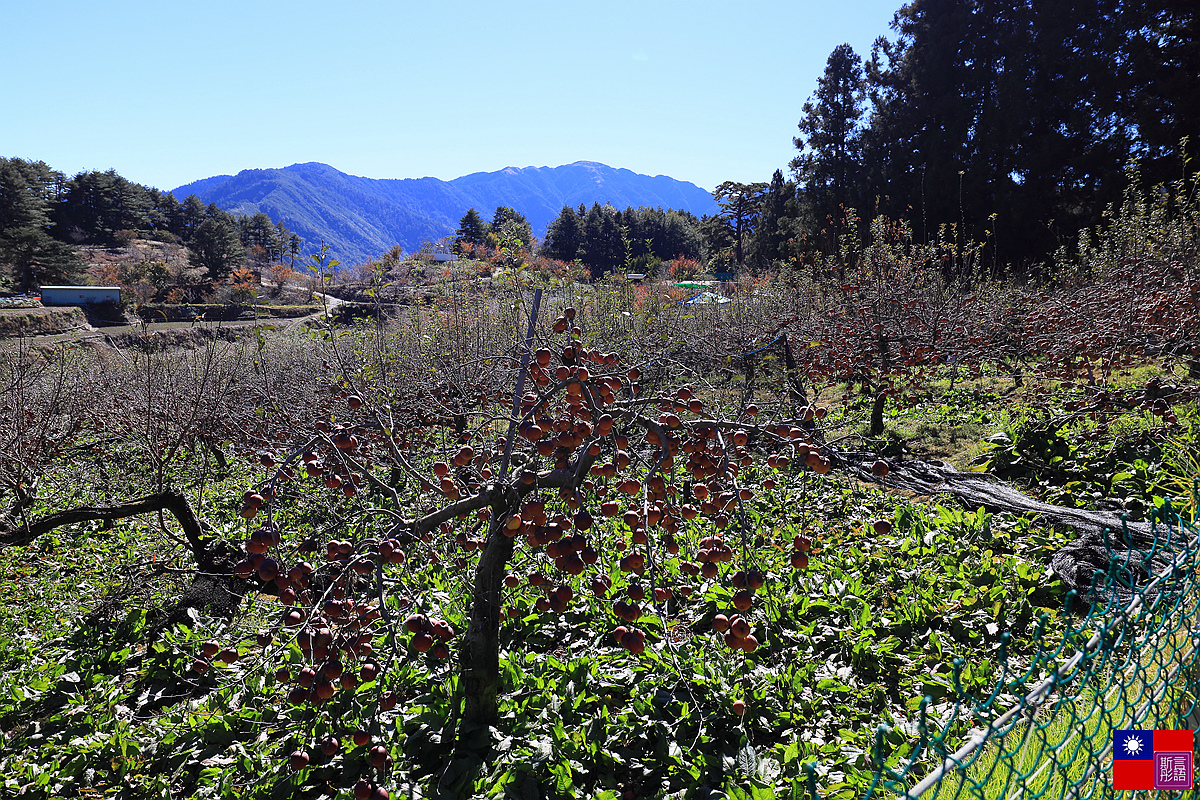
<point x="364" y="217"/>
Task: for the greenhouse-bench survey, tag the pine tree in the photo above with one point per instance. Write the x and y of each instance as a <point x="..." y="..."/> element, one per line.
<point x="829" y="166"/>
<point x="507" y="220"/>
<point x="563" y="236"/>
<point x="29" y="253"/>
<point x="741" y="205"/>
<point x="471" y="230"/>
<point x="216" y="245"/>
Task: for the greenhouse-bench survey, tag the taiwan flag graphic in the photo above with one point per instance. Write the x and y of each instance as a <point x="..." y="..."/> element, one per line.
<point x="1151" y="760"/>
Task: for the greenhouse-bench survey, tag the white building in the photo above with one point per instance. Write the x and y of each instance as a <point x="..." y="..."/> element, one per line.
<point x="80" y="295"/>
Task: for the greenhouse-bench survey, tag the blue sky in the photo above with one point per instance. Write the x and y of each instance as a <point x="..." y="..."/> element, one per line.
<point x="168" y="92"/>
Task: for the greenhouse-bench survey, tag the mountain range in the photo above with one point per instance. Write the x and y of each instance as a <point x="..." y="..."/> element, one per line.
<point x="359" y="218"/>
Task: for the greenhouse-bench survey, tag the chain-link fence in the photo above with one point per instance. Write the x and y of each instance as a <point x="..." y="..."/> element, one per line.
<point x="1046" y="729"/>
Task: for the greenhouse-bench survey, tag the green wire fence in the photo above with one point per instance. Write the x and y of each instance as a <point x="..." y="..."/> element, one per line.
<point x="1046" y="729"/>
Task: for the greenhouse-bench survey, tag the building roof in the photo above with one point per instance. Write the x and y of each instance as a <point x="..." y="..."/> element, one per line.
<point x="84" y="288"/>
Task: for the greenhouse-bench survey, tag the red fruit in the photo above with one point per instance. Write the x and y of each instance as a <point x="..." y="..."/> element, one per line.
<point x="268" y="569"/>
<point x="422" y="642"/>
<point x="329" y="745"/>
<point x="879" y="469"/>
<point x="882" y="527"/>
<point x="739" y="707"/>
<point x="720" y="623"/>
<point x="229" y="655"/>
<point x="298" y="760"/>
<point x="361" y="738"/>
<point x="378" y="756"/>
<point x="363" y="789"/>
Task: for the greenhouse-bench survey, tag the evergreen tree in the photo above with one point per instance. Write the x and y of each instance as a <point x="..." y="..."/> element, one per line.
<point x="777" y="222"/>
<point x="99" y="204"/>
<point x="216" y="245"/>
<point x="471" y="229"/>
<point x="259" y="236"/>
<point x="741" y="205"/>
<point x="829" y="165"/>
<point x="30" y="256"/>
<point x="515" y="223"/>
<point x="1162" y="55"/>
<point x="563" y="236"/>
<point x="193" y="214"/>
<point x="603" y="246"/>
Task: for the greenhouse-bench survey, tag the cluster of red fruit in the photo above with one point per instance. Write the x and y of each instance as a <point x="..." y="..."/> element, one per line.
<point x="429" y="635"/>
<point x="211" y="651"/>
<point x="333" y="472"/>
<point x="632" y="639"/>
<point x="801" y="546"/>
<point x="254" y="501"/>
<point x="288" y="580"/>
<point x="746" y="582"/>
<point x="711" y="551"/>
<point x="377" y="756"/>
<point x="333" y="642"/>
<point x="737" y="632"/>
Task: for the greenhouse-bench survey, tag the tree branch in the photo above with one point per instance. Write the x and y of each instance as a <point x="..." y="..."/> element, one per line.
<point x="14" y="533"/>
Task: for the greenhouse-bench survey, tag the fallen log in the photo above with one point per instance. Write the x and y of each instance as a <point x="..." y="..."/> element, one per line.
<point x="1110" y="553"/>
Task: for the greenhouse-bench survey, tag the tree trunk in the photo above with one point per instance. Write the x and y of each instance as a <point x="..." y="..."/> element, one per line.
<point x="479" y="656"/>
<point x="796" y="393"/>
<point x="877" y="413"/>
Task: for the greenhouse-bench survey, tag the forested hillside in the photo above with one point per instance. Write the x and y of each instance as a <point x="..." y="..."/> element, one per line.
<point x="359" y="218"/>
<point x="45" y="216"/>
